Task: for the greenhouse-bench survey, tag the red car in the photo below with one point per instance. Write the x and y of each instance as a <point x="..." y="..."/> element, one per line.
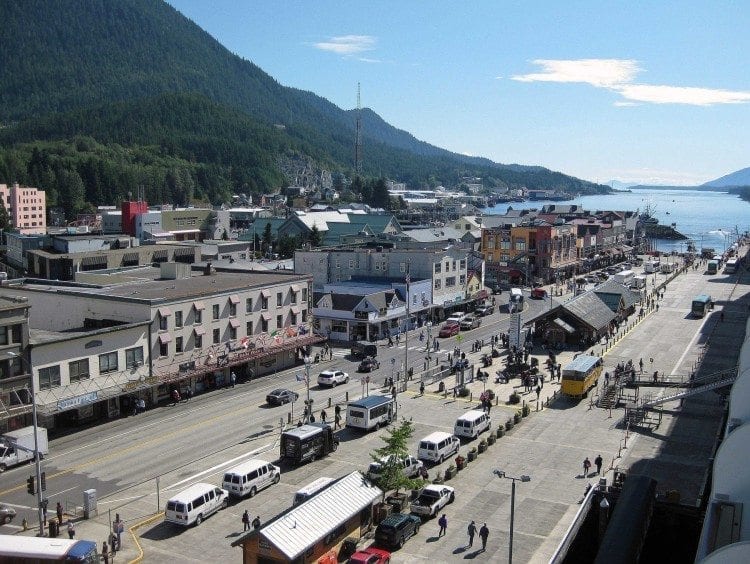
<point x="449" y="329"/>
<point x="370" y="555"/>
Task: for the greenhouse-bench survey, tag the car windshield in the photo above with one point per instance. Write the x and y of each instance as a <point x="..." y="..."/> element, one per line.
<point x="277" y="392"/>
<point x="429" y="496"/>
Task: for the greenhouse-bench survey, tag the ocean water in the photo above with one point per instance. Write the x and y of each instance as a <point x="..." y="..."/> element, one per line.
<point x="709" y="219"/>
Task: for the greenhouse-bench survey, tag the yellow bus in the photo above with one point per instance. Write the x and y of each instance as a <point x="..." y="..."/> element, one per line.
<point x="580" y="375"/>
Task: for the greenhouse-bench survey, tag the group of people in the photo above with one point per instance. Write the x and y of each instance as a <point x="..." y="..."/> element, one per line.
<point x="587" y="466"/>
<point x="246" y="523"/>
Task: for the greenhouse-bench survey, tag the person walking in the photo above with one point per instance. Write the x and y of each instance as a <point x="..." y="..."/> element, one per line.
<point x="105" y="552"/>
<point x="598" y="463"/>
<point x="640" y="363"/>
<point x="443" y="522"/>
<point x="256" y="522"/>
<point x="71" y="530"/>
<point x="484" y="532"/>
<point x="421" y="388"/>
<point x="337" y="421"/>
<point x="472" y="530"/>
<point x="233" y="378"/>
<point x="586" y="467"/>
<point x="323" y="415"/>
<point x="59" y="509"/>
<point x="245" y="520"/>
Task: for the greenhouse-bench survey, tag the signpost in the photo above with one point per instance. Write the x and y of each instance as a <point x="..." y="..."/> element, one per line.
<point x="514" y="331"/>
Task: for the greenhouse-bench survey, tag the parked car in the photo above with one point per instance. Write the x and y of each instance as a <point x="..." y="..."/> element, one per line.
<point x="538" y="293"/>
<point x="281" y="396"/>
<point x="370" y="555"/>
<point x="368" y="364"/>
<point x="7" y="513"/>
<point x="470" y="322"/>
<point x="411" y="465"/>
<point x="603" y="275"/>
<point x="332" y="378"/>
<point x="484" y="311"/>
<point x="396" y="529"/>
<point x="449" y="329"/>
<point x="432" y="499"/>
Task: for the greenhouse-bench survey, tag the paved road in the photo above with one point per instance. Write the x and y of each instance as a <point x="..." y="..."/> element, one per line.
<point x="198" y="440"/>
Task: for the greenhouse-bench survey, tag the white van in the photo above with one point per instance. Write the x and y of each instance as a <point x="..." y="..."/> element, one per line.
<point x="250" y="477"/>
<point x="195" y="504"/>
<point x="310" y="490"/>
<point x="516" y="295"/>
<point x="471" y="423"/>
<point x="438" y="446"/>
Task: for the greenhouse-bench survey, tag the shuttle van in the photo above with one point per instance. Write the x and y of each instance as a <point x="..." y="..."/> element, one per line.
<point x="250" y="477"/>
<point x="195" y="504"/>
<point x="437" y="447"/>
<point x="471" y="423"/>
<point x="310" y="490"/>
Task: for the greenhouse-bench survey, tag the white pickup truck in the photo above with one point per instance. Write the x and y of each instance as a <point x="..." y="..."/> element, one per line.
<point x="412" y="467"/>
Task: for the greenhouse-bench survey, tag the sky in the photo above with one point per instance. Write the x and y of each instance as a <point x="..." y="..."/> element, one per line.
<point x="653" y="92"/>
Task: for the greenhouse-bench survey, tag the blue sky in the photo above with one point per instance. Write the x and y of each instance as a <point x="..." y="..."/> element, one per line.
<point x="655" y="92"/>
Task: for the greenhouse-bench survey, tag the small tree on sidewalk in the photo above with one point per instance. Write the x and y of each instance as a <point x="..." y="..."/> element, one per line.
<point x="390" y="457"/>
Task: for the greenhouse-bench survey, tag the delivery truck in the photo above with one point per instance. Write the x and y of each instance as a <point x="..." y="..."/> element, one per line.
<point x="17" y="446"/>
<point x="625" y="277"/>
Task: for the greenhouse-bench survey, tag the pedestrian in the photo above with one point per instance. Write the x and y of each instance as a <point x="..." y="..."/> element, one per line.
<point x="656" y="376"/>
<point x="598" y="463"/>
<point x="233" y="378"/>
<point x="59" y="509"/>
<point x="105" y="552"/>
<point x="189" y="394"/>
<point x="421" y="388"/>
<point x="443" y="522"/>
<point x="245" y="520"/>
<point x="337" y="421"/>
<point x="472" y="531"/>
<point x="323" y="415"/>
<point x="484" y="532"/>
<point x="640" y="363"/>
<point x="71" y="530"/>
<point x="586" y="467"/>
<point x="256" y="522"/>
<point x="538" y="390"/>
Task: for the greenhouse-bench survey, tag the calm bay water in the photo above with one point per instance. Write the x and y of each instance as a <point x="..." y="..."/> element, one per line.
<point x="710" y="219"/>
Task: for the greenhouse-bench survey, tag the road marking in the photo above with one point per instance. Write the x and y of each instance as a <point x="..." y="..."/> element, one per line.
<point x="210" y="470"/>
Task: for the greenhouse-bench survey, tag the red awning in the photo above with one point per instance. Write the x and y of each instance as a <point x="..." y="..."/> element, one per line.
<point x="199" y="306"/>
<point x="165" y="311"/>
<point x="234" y="298"/>
<point x="234" y="322"/>
<point x="165" y="338"/>
<point x="200" y="330"/>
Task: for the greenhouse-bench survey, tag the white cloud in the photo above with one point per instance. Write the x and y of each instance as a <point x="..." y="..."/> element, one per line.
<point x="602" y="73"/>
<point x="681" y="95"/>
<point x="368" y="60"/>
<point x="347" y="44"/>
<point x="617" y="76"/>
<point x="621" y="104"/>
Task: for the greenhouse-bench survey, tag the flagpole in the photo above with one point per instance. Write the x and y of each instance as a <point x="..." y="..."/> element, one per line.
<point x="406" y="335"/>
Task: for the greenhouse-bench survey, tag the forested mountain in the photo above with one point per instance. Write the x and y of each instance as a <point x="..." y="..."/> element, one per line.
<point x="737" y="178"/>
<point x="140" y="93"/>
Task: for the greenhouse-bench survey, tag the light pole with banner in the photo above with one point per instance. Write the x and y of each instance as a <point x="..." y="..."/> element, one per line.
<point x="308" y="401"/>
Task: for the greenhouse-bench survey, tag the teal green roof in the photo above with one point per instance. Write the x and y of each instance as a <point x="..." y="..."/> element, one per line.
<point x="376" y="222"/>
<point x="260" y="227"/>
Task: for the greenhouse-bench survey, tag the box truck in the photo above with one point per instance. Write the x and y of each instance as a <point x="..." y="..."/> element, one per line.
<point x="17" y="446"/>
<point x="625" y="277"/>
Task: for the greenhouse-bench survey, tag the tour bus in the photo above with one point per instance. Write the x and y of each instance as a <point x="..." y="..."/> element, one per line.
<point x="712" y="267"/>
<point x="369" y="413"/>
<point x="731" y="266"/>
<point x="310" y="490"/>
<point x="195" y="504"/>
<point x="580" y="375"/>
<point x="308" y="442"/>
<point x="17" y="548"/>
<point x="701" y="305"/>
<point x="250" y="477"/>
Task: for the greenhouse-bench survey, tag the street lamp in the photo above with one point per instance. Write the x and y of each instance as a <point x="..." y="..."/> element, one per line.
<point x="429" y="338"/>
<point x="522" y="478"/>
<point x="37" y="465"/>
<point x="308" y="402"/>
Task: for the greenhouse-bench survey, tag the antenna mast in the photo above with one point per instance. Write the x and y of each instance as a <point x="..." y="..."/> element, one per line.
<point x="358" y="136"/>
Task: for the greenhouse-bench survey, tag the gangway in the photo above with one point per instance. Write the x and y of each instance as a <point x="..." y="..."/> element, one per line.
<point x="692" y="391"/>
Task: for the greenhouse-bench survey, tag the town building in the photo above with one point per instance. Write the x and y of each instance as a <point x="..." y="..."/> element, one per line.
<point x="332" y="226"/>
<point x="26" y="207"/>
<point x="15" y="376"/>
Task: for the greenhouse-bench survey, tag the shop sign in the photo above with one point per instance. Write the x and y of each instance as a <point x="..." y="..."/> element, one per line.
<point x="77" y="401"/>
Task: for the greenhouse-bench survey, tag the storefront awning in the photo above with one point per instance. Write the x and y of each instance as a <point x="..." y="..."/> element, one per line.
<point x="234" y="298"/>
<point x="165" y="338"/>
<point x="266" y="316"/>
<point x="199" y="306"/>
<point x="234" y="322"/>
<point x="200" y="330"/>
<point x="165" y="311"/>
<point x="566" y="327"/>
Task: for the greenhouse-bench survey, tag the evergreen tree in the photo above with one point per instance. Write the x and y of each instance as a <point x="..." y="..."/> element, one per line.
<point x="390" y="457"/>
<point x="267" y="238"/>
<point x="5" y="224"/>
<point x="315" y="236"/>
<point x="380" y="197"/>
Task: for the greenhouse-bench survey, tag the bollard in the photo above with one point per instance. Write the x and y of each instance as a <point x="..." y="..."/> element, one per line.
<point x="289" y="417"/>
<point x="347" y="397"/>
<point x="329" y="402"/>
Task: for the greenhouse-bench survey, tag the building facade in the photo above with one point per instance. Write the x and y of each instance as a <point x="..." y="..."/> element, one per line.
<point x="27" y="208"/>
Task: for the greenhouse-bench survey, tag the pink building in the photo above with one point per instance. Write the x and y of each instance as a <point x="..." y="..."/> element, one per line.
<point x="27" y="208"/>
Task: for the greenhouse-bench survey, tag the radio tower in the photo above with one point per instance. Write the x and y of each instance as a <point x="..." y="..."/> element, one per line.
<point x="358" y="136"/>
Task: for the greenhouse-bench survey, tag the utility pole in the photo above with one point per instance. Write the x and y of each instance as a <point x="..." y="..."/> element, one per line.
<point x="358" y="135"/>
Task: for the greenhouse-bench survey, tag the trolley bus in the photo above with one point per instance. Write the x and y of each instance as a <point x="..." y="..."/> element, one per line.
<point x="580" y="375"/>
<point x="16" y="549"/>
<point x="701" y="305"/>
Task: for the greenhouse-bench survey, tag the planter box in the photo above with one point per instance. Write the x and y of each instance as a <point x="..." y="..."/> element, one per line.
<point x="491" y="439"/>
<point x="449" y="473"/>
<point x="500" y="431"/>
<point x="471" y="455"/>
<point x="516" y="418"/>
<point x="482" y="447"/>
<point x="509" y="424"/>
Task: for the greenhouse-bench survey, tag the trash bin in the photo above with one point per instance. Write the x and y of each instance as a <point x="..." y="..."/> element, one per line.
<point x="54" y="528"/>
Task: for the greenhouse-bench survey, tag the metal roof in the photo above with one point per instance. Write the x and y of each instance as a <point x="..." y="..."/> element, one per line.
<point x="302" y="526"/>
<point x="581" y="363"/>
<point x="590" y="309"/>
<point x="371" y="401"/>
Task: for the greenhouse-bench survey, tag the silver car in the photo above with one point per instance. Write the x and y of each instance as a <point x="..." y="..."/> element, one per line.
<point x="6" y="513"/>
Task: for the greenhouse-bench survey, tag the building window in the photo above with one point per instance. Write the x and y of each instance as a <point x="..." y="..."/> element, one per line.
<point x="79" y="370"/>
<point x="263" y="303"/>
<point x="462" y="279"/>
<point x="4" y="335"/>
<point x="351" y="263"/>
<point x="178" y="319"/>
<point x="521" y="245"/>
<point x="199" y="316"/>
<point x="217" y="336"/>
<point x="279" y="299"/>
<point x="293" y="297"/>
<point x="134" y="357"/>
<point x="402" y="267"/>
<point x="107" y="362"/>
<point x="199" y="341"/>
<point x="163" y="349"/>
<point x="293" y="318"/>
<point x="232" y="333"/>
<point x="304" y="294"/>
<point x="438" y="268"/>
<point x="437" y="284"/>
<point x="163" y="322"/>
<point x="264" y="324"/>
<point x="414" y="299"/>
<point x="279" y="321"/>
<point x="249" y="328"/>
<point x="232" y="310"/>
<point x="304" y="316"/>
<point x="215" y="310"/>
<point x="454" y="265"/>
<point x="450" y="281"/>
<point x="49" y="377"/>
<point x="248" y="305"/>
<point x="338" y="327"/>
<point x="178" y="344"/>
<point x="463" y="264"/>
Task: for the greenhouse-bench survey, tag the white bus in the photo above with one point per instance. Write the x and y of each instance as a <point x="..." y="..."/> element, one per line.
<point x="18" y="548"/>
<point x="731" y="266"/>
<point x="370" y="412"/>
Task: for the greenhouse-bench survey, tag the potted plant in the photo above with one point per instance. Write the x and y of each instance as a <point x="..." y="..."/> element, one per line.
<point x="450" y="472"/>
<point x="526" y="410"/>
<point x="500" y="431"/>
<point x="514" y="398"/>
<point x="438" y="478"/>
<point x="509" y="424"/>
<point x="491" y="438"/>
<point x="460" y="462"/>
<point x="516" y="417"/>
<point x="483" y="445"/>
<point x="472" y="454"/>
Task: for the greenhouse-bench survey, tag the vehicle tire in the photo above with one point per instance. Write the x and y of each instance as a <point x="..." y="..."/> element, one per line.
<point x="224" y="504"/>
<point x="253" y="491"/>
<point x="333" y="385"/>
<point x="3" y="467"/>
<point x="401" y="542"/>
<point x="199" y="519"/>
<point x="334" y="446"/>
<point x="276" y="478"/>
<point x="440" y="460"/>
<point x="416" y="529"/>
<point x="346" y="380"/>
